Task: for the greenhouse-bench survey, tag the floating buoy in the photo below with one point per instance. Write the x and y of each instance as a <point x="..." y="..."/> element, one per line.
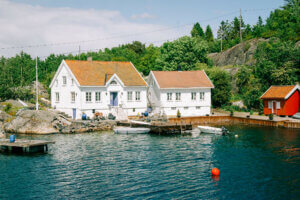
<point x="215" y="172"/>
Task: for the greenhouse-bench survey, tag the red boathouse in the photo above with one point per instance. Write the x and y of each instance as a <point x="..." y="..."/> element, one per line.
<point x="281" y="100"/>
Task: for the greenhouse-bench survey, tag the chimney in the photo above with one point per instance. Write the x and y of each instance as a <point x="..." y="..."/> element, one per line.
<point x="90" y="58"/>
<point x="105" y="79"/>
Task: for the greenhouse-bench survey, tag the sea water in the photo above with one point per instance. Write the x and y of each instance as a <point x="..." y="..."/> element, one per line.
<point x="261" y="163"/>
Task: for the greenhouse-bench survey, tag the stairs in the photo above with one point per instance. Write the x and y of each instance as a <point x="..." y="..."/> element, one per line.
<point x="119" y="113"/>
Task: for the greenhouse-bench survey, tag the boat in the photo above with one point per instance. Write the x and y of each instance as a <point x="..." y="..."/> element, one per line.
<point x="296" y="116"/>
<point x="130" y="130"/>
<point x="139" y="122"/>
<point x="213" y="130"/>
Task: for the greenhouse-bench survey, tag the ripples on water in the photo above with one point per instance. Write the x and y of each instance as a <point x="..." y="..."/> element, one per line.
<point x="262" y="163"/>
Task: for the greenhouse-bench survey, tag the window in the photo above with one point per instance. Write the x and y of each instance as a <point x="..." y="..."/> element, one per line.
<point x="278" y="105"/>
<point x="57" y="96"/>
<point x="178" y="96"/>
<point x="88" y="96"/>
<point x="201" y="96"/>
<point x="113" y="82"/>
<point x="97" y="96"/>
<point x="72" y="96"/>
<point x="94" y="110"/>
<point x="169" y="96"/>
<point x="197" y="107"/>
<point x="64" y="80"/>
<point x="133" y="110"/>
<point x="173" y="108"/>
<point x="137" y="96"/>
<point x="72" y="81"/>
<point x="186" y="108"/>
<point x="193" y="95"/>
<point x="270" y="104"/>
<point x="129" y="96"/>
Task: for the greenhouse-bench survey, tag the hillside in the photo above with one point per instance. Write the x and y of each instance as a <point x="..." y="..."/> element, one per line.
<point x="240" y="54"/>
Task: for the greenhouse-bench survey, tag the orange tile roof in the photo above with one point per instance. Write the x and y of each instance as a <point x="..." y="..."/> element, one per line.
<point x="182" y="79"/>
<point x="277" y="92"/>
<point x="92" y="73"/>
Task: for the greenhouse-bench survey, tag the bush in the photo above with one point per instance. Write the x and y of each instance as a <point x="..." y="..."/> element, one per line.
<point x="8" y="107"/>
<point x="271" y="116"/>
<point x="231" y="113"/>
<point x="178" y="113"/>
<point x="251" y="112"/>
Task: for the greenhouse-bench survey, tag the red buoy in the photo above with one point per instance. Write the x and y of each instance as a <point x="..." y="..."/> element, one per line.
<point x="215" y="172"/>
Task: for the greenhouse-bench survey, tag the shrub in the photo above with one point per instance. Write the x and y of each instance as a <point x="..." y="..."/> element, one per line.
<point x="271" y="116"/>
<point x="178" y="113"/>
<point x="8" y="107"/>
<point x="231" y="113"/>
<point x="251" y="112"/>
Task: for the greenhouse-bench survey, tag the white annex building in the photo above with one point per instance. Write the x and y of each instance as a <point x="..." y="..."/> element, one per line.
<point x="186" y="91"/>
<point x="98" y="86"/>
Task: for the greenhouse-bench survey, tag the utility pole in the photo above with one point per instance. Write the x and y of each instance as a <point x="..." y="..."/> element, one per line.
<point x="79" y="53"/>
<point x="221" y="39"/>
<point x="241" y="38"/>
<point x="36" y="85"/>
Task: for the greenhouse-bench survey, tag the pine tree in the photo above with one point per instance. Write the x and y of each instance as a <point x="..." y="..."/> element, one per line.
<point x="197" y="31"/>
<point x="209" y="34"/>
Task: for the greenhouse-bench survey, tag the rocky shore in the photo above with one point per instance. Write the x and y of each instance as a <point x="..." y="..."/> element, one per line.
<point x="48" y="122"/>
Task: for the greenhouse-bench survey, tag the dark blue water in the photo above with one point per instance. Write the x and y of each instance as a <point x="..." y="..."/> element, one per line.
<point x="262" y="163"/>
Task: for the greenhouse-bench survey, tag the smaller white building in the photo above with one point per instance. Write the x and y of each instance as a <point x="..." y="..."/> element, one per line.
<point x="98" y="86"/>
<point x="186" y="91"/>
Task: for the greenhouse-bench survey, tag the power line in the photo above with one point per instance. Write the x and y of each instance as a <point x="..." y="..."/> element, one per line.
<point x="117" y="36"/>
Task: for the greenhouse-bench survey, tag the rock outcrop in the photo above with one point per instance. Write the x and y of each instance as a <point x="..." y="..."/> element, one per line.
<point x="240" y="54"/>
<point x="48" y="122"/>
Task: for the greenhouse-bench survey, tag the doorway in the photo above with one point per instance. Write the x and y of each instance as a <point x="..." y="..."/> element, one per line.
<point x="114" y="98"/>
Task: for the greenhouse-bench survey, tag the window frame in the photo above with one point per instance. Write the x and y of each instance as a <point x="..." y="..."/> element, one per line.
<point x="97" y="97"/>
<point x="193" y="96"/>
<point x="178" y="96"/>
<point x="73" y="100"/>
<point x="202" y="96"/>
<point x="270" y="104"/>
<point x="138" y="95"/>
<point x="169" y="96"/>
<point x="278" y="107"/>
<point x="64" y="80"/>
<point x="131" y="95"/>
<point x="88" y="97"/>
<point x="57" y="98"/>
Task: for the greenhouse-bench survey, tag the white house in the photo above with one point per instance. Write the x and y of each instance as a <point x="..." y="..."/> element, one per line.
<point x="186" y="91"/>
<point x="98" y="86"/>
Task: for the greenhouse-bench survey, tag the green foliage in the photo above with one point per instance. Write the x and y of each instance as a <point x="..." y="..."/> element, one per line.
<point x="197" y="31"/>
<point x="221" y="94"/>
<point x="271" y="116"/>
<point x="209" y="34"/>
<point x="7" y="107"/>
<point x="185" y="51"/>
<point x="178" y="113"/>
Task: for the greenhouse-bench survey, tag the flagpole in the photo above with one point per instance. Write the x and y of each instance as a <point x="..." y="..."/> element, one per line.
<point x="36" y="85"/>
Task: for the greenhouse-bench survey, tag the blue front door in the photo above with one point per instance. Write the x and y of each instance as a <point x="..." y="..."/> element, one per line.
<point x="74" y="113"/>
<point x="114" y="99"/>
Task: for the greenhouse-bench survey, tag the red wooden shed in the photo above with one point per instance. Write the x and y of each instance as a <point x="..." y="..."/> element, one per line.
<point x="281" y="100"/>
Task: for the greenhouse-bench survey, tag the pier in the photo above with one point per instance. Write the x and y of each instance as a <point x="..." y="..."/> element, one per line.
<point x="25" y="146"/>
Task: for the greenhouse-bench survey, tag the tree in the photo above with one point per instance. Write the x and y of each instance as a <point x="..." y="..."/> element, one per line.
<point x="209" y="34"/>
<point x="221" y="93"/>
<point x="185" y="51"/>
<point x="197" y="31"/>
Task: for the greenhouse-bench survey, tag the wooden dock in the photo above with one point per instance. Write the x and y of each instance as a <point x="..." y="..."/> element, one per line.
<point x="26" y="146"/>
<point x="161" y="128"/>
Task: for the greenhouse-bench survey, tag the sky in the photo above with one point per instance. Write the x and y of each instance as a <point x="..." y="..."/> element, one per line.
<point x="42" y="27"/>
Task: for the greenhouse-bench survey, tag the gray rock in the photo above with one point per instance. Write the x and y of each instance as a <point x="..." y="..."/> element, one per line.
<point x="47" y="122"/>
<point x="240" y="54"/>
<point x="4" y="117"/>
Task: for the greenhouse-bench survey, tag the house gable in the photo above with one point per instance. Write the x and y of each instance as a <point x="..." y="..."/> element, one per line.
<point x="62" y="65"/>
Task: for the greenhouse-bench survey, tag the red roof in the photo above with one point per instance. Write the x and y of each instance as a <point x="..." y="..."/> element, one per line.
<point x="182" y="79"/>
<point x="92" y="73"/>
<point x="278" y="92"/>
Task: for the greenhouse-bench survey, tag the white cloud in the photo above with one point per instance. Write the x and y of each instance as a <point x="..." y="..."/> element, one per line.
<point x="23" y="24"/>
<point x="142" y="16"/>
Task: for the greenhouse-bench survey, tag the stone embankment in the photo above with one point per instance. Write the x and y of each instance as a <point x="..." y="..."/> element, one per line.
<point x="48" y="122"/>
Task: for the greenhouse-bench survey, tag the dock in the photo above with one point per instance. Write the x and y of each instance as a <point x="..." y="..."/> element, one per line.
<point x="25" y="146"/>
<point x="161" y="128"/>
